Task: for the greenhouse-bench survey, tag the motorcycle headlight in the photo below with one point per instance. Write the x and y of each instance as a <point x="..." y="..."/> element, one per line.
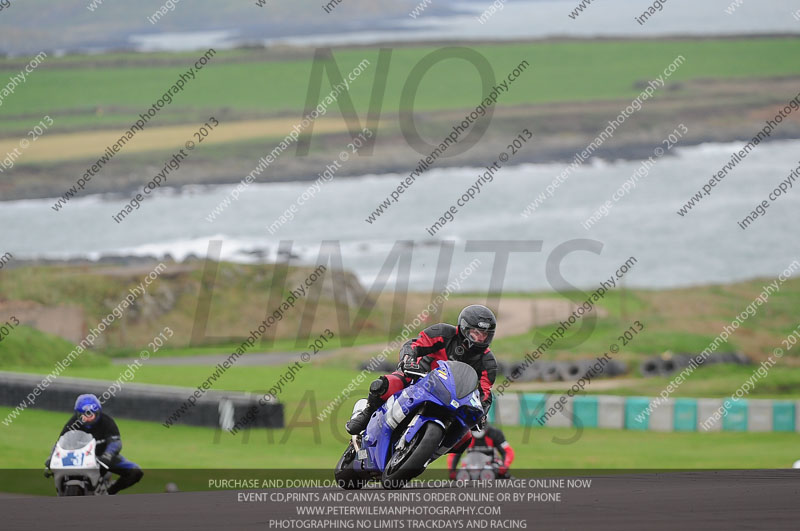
<point x="475" y="400"/>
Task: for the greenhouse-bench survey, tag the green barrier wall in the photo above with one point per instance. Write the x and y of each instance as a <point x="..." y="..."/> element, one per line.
<point x="584" y="411"/>
<point x="532" y="408"/>
<point x="736" y="419"/>
<point x="685" y="414"/>
<point x="635" y="406"/>
<point x="780" y="415"/>
<point x="783" y="416"/>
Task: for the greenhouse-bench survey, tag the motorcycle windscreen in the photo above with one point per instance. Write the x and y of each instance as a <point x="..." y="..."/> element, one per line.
<point x="465" y="377"/>
<point x="74" y="440"/>
<point x="440" y="390"/>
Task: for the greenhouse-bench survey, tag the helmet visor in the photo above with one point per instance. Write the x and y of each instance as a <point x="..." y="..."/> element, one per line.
<point x="477" y="335"/>
<point x="477" y="338"/>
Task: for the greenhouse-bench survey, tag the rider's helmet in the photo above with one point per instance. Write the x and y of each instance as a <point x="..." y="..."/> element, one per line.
<point x="88" y="408"/>
<point x="476" y="326"/>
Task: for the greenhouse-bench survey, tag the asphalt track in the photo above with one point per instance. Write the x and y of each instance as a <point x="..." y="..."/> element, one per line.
<point x="725" y="500"/>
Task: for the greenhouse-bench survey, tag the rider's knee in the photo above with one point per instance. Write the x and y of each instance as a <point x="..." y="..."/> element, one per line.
<point x="136" y="474"/>
<point x="379" y="386"/>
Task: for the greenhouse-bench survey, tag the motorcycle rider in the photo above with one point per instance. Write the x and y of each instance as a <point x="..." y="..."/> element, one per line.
<point x="491" y="438"/>
<point x="89" y="417"/>
<point x="467" y="342"/>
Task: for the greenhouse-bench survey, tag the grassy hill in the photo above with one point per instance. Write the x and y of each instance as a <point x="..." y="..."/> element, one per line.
<point x="28" y="347"/>
<point x="241" y="297"/>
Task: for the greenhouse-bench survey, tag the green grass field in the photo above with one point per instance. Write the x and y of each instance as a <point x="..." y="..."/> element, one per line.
<point x="279" y="345"/>
<point x="25" y="446"/>
<point x="109" y="91"/>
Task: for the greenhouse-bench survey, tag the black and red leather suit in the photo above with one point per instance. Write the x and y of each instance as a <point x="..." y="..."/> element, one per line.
<point x="441" y="342"/>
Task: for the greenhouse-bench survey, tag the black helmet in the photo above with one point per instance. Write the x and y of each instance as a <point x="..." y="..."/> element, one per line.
<point x="476" y="320"/>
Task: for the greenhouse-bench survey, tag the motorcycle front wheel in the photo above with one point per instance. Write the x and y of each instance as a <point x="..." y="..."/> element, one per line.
<point x="410" y="462"/>
<point x="73" y="490"/>
<point x="346" y="477"/>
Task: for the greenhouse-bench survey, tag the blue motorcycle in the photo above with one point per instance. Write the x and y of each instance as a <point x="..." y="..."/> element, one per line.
<point x="413" y="428"/>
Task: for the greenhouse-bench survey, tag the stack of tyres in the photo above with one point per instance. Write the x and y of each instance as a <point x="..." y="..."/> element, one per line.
<point x="668" y="365"/>
<point x="615" y="368"/>
<point x="651" y="367"/>
<point x="565" y="371"/>
<point x="550" y="372"/>
<point x="503" y="369"/>
<point x="383" y="367"/>
<point x="570" y="371"/>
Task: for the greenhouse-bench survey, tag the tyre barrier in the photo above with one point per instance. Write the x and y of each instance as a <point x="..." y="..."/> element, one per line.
<point x="515" y="371"/>
<point x="383" y="367"/>
<point x="615" y="368"/>
<point x="532" y="373"/>
<point x="518" y="372"/>
<point x="643" y="413"/>
<point x="140" y="401"/>
<point x="549" y="371"/>
<point x="668" y="365"/>
<point x="563" y="371"/>
<point x="502" y="368"/>
<point x="569" y="371"/>
<point x="651" y="367"/>
<point x="682" y="361"/>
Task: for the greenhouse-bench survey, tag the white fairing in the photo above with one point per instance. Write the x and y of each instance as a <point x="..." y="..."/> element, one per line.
<point x="796" y="464"/>
<point x="73" y="460"/>
<point x="78" y="459"/>
<point x="394" y="412"/>
<point x="359" y="407"/>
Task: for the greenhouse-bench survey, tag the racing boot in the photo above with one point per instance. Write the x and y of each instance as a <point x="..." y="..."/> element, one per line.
<point x="359" y="423"/>
<point x="128" y="476"/>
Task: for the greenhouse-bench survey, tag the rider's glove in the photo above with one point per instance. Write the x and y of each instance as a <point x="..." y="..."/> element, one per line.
<point x="481" y="423"/>
<point x="425" y="362"/>
<point x="412" y="369"/>
<point x="47" y="472"/>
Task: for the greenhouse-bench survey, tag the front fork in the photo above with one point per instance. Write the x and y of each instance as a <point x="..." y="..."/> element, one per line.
<point x="416" y="424"/>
